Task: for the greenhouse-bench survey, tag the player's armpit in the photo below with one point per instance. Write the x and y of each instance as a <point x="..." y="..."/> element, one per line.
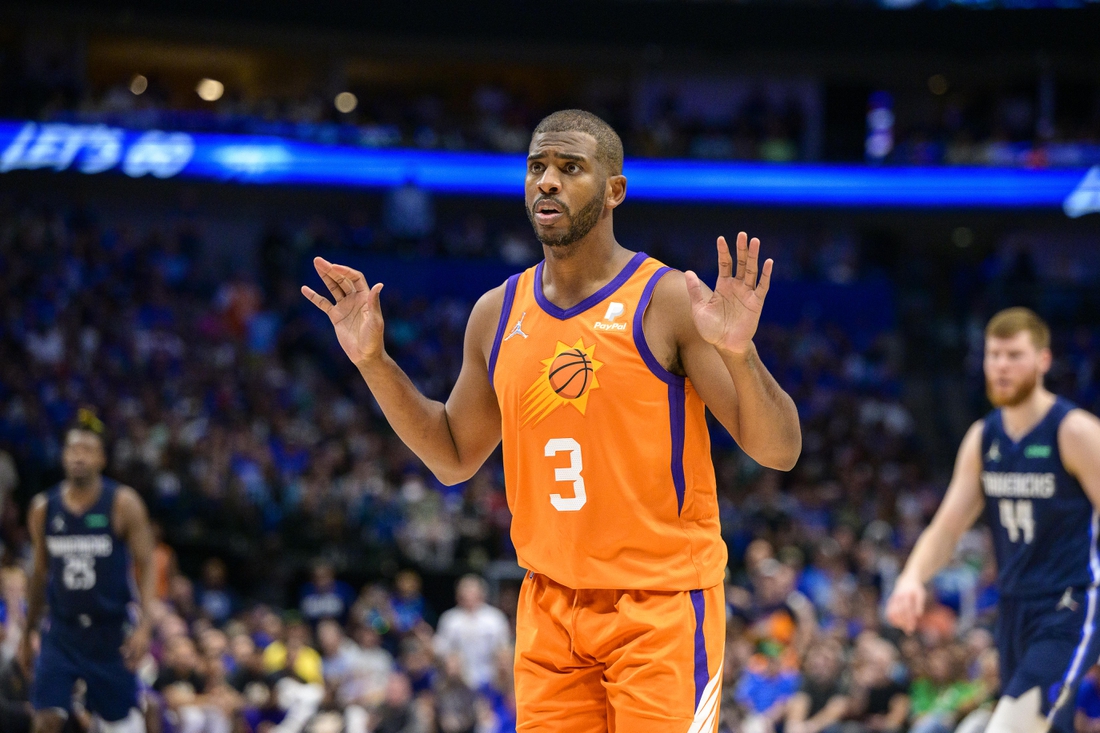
<point x="764" y="421"/>
<point x="963" y="502"/>
<point x="961" y="506"/>
<point x="129" y="513"/>
<point x="1079" y="445"/>
<point x="675" y="342"/>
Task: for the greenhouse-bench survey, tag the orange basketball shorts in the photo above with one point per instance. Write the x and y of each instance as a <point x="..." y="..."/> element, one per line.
<point x="618" y="661"/>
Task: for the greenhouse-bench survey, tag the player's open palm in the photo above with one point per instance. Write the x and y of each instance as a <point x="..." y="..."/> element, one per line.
<point x="729" y="315"/>
<point x="356" y="316"/>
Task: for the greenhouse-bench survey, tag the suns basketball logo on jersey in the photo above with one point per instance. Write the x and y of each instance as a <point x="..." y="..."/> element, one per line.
<point x="566" y="378"/>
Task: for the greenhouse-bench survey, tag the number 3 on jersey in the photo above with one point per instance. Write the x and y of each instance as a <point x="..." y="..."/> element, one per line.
<point x="1017" y="518"/>
<point x="570" y="473"/>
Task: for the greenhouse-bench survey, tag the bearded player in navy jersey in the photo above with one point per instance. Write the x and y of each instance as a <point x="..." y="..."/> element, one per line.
<point x="90" y="535"/>
<point x="1031" y="467"/>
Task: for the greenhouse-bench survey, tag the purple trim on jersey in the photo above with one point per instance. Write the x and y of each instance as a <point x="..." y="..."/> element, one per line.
<point x="677" y="387"/>
<point x="677" y="396"/>
<point x="616" y="282"/>
<point x="505" y="311"/>
<point x="639" y="332"/>
<point x="701" y="674"/>
<point x="1089" y="628"/>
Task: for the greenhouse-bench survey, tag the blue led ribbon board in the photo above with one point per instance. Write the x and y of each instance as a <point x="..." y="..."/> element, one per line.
<point x="95" y="149"/>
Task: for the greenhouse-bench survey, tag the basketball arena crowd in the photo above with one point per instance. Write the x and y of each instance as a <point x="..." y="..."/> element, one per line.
<point x="306" y="560"/>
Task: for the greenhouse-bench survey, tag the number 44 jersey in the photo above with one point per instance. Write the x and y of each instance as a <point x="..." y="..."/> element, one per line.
<point x="606" y="453"/>
<point x="1044" y="526"/>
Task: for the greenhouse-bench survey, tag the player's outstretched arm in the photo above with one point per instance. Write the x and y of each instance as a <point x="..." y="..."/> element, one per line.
<point x="721" y="360"/>
<point x="1079" y="445"/>
<point x="961" y="506"/>
<point x="36" y="592"/>
<point x="452" y="439"/>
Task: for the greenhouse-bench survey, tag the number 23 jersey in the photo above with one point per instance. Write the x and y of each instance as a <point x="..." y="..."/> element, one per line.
<point x="1044" y="526"/>
<point x="606" y="454"/>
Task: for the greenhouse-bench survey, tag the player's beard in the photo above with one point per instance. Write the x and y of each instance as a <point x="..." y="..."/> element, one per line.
<point x="579" y="225"/>
<point x="1018" y="396"/>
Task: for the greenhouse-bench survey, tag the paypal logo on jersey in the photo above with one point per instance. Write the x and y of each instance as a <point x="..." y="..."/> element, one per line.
<point x="614" y="312"/>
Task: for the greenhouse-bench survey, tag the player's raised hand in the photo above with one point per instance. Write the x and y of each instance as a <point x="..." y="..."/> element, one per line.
<point x="356" y="316"/>
<point x="729" y="315"/>
<point x="906" y="604"/>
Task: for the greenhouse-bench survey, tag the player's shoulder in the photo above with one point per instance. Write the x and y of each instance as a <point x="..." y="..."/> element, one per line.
<point x="485" y="316"/>
<point x="40" y="501"/>
<point x="491" y="300"/>
<point x="1079" y="425"/>
<point x="127" y="498"/>
<point x="976" y="428"/>
<point x="670" y="296"/>
<point x="971" y="445"/>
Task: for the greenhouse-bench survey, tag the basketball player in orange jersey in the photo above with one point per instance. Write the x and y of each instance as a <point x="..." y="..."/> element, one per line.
<point x="595" y="368"/>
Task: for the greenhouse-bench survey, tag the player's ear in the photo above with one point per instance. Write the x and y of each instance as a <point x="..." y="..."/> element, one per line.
<point x="616" y="190"/>
<point x="1045" y="360"/>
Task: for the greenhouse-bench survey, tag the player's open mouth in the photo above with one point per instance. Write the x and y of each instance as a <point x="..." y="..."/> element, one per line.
<point x="546" y="213"/>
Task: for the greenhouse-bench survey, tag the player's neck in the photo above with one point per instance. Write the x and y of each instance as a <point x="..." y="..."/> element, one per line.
<point x="80" y="494"/>
<point x="1019" y="419"/>
<point x="592" y="262"/>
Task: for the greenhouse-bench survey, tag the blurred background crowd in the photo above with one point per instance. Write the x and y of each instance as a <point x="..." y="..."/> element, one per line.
<point x="312" y="576"/>
<point x="306" y="555"/>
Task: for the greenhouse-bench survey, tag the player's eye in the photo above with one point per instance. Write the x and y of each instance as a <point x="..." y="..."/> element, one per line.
<point x="572" y="168"/>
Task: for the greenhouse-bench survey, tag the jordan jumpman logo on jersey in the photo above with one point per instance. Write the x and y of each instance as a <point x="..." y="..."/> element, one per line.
<point x="517" y="330"/>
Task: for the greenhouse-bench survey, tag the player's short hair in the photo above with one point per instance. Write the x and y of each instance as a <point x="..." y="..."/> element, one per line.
<point x="86" y="421"/>
<point x="1012" y="321"/>
<point x="609" y="147"/>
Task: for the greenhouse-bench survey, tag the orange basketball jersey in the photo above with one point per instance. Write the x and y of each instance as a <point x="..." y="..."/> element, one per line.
<point x="606" y="454"/>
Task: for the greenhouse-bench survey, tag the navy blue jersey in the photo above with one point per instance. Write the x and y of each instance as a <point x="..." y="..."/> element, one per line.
<point x="1044" y="526"/>
<point x="89" y="571"/>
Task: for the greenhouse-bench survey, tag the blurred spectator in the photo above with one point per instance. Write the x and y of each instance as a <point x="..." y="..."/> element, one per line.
<point x="192" y="707"/>
<point x="456" y="704"/>
<point x="410" y="610"/>
<point x="16" y="711"/>
<point x="293" y="654"/>
<point x="942" y="695"/>
<point x="13" y="609"/>
<point x="397" y="713"/>
<point x="356" y="674"/>
<point x="879" y="702"/>
<point x="765" y="688"/>
<point x="165" y="566"/>
<point x="217" y="600"/>
<point x="1087" y="717"/>
<point x="326" y="597"/>
<point x="822" y="699"/>
<point x="474" y="632"/>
